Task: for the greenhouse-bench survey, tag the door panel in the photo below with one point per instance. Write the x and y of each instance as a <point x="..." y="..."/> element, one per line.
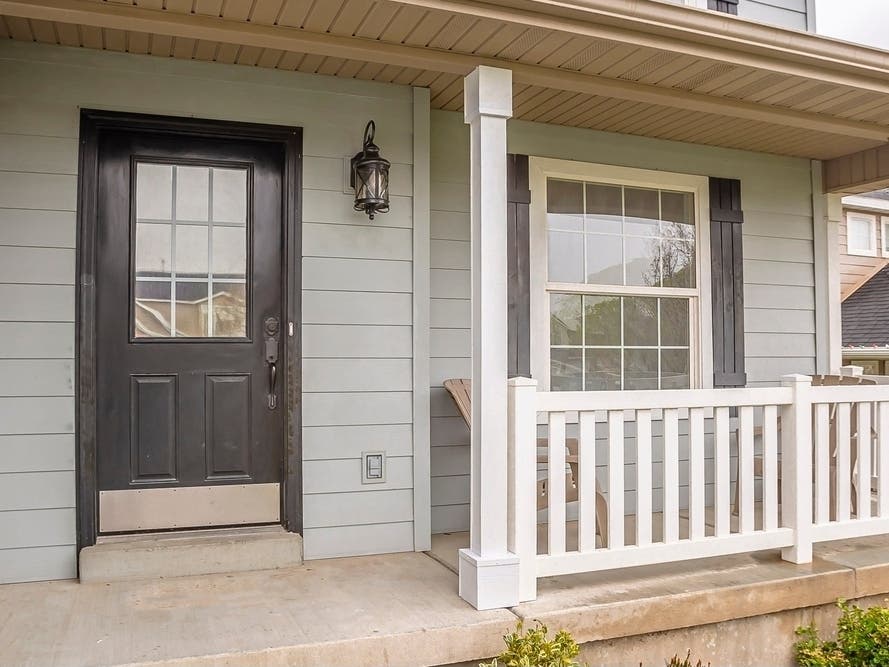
<point x="228" y="433"/>
<point x="189" y="273"/>
<point x="153" y="428"/>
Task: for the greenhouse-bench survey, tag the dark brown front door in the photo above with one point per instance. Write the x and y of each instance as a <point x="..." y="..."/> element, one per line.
<point x="189" y="336"/>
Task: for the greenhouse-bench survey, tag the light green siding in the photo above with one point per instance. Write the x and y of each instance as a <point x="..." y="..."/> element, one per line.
<point x="778" y="266"/>
<point x="357" y="280"/>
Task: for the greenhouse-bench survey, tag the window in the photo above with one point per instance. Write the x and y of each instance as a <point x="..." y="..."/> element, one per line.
<point x="616" y="296"/>
<point x="861" y="234"/>
<point x="884" y="230"/>
<point x="190" y="257"/>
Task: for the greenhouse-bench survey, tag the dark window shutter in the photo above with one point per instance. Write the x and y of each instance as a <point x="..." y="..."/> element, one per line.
<point x="727" y="6"/>
<point x="518" y="205"/>
<point x="727" y="266"/>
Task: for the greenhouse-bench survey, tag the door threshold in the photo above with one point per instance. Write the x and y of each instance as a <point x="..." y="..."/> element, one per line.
<point x="189" y="553"/>
<point x="192" y="533"/>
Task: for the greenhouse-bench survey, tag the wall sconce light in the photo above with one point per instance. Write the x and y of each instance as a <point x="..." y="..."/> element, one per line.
<point x="370" y="176"/>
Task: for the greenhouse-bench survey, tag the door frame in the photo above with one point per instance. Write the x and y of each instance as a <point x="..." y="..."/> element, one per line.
<point x="92" y="124"/>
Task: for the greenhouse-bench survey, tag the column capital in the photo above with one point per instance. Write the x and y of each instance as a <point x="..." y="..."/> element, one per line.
<point x="487" y="91"/>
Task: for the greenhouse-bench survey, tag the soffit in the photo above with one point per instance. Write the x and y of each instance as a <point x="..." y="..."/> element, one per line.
<point x="567" y="71"/>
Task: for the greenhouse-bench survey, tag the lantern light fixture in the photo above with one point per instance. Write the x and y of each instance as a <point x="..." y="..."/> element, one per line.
<point x="370" y="176"/>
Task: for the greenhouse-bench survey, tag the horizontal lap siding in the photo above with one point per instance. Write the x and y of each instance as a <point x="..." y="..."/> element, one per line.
<point x="778" y="267"/>
<point x="356" y="274"/>
<point x="37" y="240"/>
<point x="450" y="320"/>
<point x="784" y="13"/>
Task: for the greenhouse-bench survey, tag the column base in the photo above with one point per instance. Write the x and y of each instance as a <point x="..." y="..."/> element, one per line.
<point x="489" y="583"/>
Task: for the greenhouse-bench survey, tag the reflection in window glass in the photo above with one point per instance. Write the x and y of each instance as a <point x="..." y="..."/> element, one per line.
<point x="620" y="342"/>
<point x="614" y="235"/>
<point x="638" y="246"/>
<point x="192" y="193"/>
<point x="230" y="310"/>
<point x="153" y="309"/>
<point x="190" y="252"/>
<point x="565" y="326"/>
<point x="566" y="369"/>
<point x="565" y="257"/>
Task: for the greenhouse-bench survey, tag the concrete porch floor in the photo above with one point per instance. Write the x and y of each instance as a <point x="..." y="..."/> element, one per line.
<point x="403" y="610"/>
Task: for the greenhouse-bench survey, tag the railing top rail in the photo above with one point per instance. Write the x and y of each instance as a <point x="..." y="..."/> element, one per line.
<point x="584" y="401"/>
<point x="856" y="393"/>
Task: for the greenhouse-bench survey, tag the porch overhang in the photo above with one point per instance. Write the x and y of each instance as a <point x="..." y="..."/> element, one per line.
<point x="644" y="68"/>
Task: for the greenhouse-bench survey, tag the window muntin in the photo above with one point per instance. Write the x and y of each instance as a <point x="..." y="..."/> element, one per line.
<point x="190" y="252"/>
<point x="861" y="234"/>
<point x="621" y="283"/>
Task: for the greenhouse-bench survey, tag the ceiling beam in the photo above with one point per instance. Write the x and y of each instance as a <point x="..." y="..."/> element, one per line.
<point x="127" y="17"/>
<point x="859" y="172"/>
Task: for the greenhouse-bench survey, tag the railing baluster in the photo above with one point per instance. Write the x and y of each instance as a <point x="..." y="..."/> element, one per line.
<point x="863" y="442"/>
<point x="822" y="463"/>
<point x="770" y="467"/>
<point x="615" y="479"/>
<point x="555" y="489"/>
<point x="586" y="485"/>
<point x="696" y="473"/>
<point x="843" y="471"/>
<point x="643" y="477"/>
<point x="883" y="459"/>
<point x="723" y="479"/>
<point x="671" y="475"/>
<point x="745" y="469"/>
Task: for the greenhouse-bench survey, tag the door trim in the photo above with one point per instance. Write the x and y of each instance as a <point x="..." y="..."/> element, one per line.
<point x="92" y="124"/>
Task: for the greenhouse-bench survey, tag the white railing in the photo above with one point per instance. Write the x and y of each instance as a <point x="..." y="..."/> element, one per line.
<point x="691" y="473"/>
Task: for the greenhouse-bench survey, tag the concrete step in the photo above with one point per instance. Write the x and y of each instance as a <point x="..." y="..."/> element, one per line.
<point x="188" y="553"/>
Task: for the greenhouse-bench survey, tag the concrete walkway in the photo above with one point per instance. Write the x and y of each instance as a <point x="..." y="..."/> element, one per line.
<point x="399" y="609"/>
<point x="402" y="610"/>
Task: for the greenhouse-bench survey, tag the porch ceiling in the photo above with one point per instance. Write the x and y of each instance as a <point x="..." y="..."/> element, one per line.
<point x="644" y="68"/>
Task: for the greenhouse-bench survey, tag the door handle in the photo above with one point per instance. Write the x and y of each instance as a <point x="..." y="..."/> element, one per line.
<point x="271" y="329"/>
<point x="273" y="378"/>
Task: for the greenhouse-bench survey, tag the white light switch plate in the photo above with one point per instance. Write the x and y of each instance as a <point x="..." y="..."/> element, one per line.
<point x="373" y="467"/>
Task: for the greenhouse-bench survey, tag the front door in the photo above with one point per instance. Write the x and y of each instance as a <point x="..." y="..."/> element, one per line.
<point x="189" y="345"/>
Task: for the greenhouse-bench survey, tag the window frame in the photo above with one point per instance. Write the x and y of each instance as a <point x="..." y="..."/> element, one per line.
<point x="700" y="310"/>
<point x="872" y="222"/>
<point x="884" y="235"/>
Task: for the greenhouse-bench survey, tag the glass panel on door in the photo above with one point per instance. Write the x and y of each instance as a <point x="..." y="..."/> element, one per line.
<point x="190" y="259"/>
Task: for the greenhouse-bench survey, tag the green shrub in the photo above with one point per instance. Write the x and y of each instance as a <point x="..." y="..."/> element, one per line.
<point x="676" y="661"/>
<point x="532" y="648"/>
<point x="862" y="640"/>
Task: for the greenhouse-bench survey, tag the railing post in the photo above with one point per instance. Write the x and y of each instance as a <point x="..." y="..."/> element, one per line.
<point x="796" y="464"/>
<point x="851" y="371"/>
<point x="522" y="460"/>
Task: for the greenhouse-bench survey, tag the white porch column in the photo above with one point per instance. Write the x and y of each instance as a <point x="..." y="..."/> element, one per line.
<point x="489" y="573"/>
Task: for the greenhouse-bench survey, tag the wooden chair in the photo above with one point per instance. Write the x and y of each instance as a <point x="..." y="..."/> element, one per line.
<point x="825" y="381"/>
<point x="461" y="391"/>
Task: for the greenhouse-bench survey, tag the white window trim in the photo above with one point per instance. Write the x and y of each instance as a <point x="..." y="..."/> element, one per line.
<point x="872" y="221"/>
<point x="884" y="235"/>
<point x="701" y="340"/>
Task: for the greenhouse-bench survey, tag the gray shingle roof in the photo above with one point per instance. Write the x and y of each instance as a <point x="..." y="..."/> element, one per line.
<point x="866" y="313"/>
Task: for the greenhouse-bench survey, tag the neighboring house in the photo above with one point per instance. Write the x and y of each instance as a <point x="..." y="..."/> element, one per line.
<point x="864" y="239"/>
<point x="198" y="329"/>
<point x="866" y="325"/>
